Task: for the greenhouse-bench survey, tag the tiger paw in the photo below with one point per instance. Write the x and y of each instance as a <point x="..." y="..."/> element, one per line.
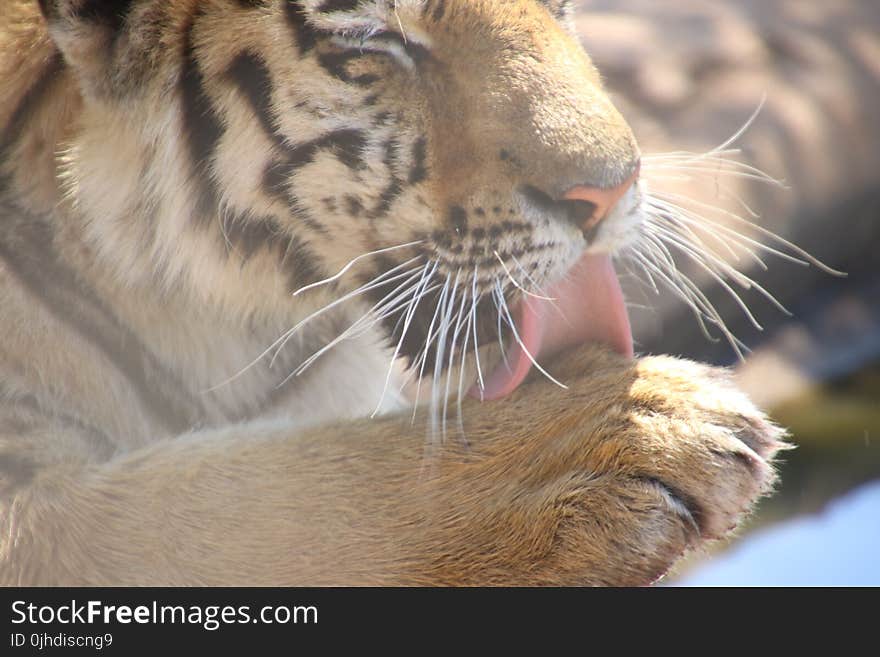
<point x="611" y="481"/>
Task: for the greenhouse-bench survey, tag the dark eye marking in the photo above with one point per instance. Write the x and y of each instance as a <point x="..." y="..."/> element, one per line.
<point x="416" y="51"/>
<point x="338" y="5"/>
<point x="335" y="64"/>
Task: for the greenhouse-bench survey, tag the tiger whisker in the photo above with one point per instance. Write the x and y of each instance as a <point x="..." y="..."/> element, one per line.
<point x="428" y="340"/>
<point x="522" y="346"/>
<point x="716" y="263"/>
<point x="475" y="300"/>
<point x="471" y="322"/>
<point x="456" y="332"/>
<point x="445" y="320"/>
<point x="516" y="283"/>
<point x="709" y="166"/>
<point x="697" y="300"/>
<point x="730" y="173"/>
<point x="719" y="279"/>
<point x="379" y="281"/>
<point x="682" y="293"/>
<point x="418" y="294"/>
<point x="392" y="302"/>
<point x="697" y="247"/>
<point x="668" y="213"/>
<point x="284" y="337"/>
<point x="352" y="263"/>
<point x="495" y="299"/>
<point x="666" y="272"/>
<point x="720" y="230"/>
<point x="636" y="275"/>
<point x="807" y="257"/>
<point x="678" y="218"/>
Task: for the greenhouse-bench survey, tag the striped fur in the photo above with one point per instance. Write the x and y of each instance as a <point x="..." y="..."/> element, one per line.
<point x="179" y="183"/>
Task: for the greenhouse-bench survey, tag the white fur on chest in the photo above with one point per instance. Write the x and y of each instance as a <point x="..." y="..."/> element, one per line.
<point x="236" y="373"/>
<point x="349" y="382"/>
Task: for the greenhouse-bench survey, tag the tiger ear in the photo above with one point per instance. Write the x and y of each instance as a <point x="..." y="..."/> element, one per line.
<point x="85" y="32"/>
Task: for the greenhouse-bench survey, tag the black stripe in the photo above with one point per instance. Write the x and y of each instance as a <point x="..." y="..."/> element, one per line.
<point x="439" y="10"/>
<point x="387" y="198"/>
<point x="39" y="270"/>
<point x="252" y="77"/>
<point x="562" y="8"/>
<point x="16" y="471"/>
<point x="335" y="64"/>
<point x="389" y="159"/>
<point x="348" y="144"/>
<point x="276" y="183"/>
<point x="25" y="111"/>
<point x="416" y="51"/>
<point x="112" y="13"/>
<point x="306" y="35"/>
<point x="338" y="5"/>
<point x="305" y="216"/>
<point x="250" y="73"/>
<point x="276" y="178"/>
<point x="419" y="170"/>
<point x="301" y="264"/>
<point x="354" y="205"/>
<point x="246" y="235"/>
<point x="349" y="147"/>
<point x="201" y="127"/>
<point x="30" y="402"/>
<point x="49" y="8"/>
<point x="395" y="187"/>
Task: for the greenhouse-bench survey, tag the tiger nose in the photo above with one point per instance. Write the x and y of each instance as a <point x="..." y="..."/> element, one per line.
<point x="588" y="206"/>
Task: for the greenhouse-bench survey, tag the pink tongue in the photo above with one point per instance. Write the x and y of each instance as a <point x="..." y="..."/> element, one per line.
<point x="588" y="307"/>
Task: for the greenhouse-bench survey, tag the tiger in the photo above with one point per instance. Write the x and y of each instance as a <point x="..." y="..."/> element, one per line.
<point x="322" y="292"/>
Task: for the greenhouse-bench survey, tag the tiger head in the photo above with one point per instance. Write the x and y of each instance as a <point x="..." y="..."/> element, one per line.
<point x="452" y="158"/>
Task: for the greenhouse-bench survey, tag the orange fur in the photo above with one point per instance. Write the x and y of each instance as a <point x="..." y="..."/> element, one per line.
<point x="125" y="459"/>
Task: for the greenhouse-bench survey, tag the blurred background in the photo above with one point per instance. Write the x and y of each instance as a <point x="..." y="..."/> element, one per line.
<point x="688" y="75"/>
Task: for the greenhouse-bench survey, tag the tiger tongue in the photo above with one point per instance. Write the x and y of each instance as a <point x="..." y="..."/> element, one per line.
<point x="588" y="306"/>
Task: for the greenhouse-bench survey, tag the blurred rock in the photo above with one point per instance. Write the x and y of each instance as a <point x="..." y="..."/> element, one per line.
<point x="688" y="75"/>
<point x="835" y="548"/>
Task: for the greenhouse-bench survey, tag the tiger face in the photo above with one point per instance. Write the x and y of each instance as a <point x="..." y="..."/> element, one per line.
<point x="452" y="158"/>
